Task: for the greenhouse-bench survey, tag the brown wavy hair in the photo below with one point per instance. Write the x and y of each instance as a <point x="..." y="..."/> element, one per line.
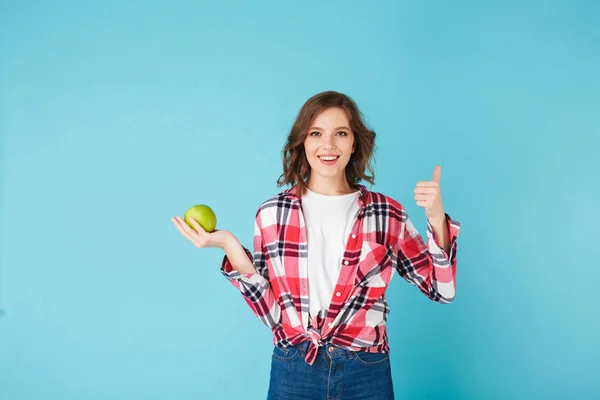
<point x="296" y="169"/>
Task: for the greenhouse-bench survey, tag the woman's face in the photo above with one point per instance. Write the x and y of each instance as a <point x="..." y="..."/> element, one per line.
<point x="329" y="144"/>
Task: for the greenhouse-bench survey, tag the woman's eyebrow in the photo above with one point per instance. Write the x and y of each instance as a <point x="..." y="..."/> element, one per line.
<point x="316" y="128"/>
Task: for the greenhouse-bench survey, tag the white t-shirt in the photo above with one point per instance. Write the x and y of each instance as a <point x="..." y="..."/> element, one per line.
<point x="329" y="220"/>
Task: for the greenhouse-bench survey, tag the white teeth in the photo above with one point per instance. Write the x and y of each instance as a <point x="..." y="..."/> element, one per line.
<point x="328" y="158"/>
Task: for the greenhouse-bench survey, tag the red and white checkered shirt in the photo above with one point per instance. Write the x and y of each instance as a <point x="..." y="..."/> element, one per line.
<point x="382" y="240"/>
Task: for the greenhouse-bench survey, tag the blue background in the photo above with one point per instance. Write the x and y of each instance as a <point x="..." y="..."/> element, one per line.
<point x="115" y="116"/>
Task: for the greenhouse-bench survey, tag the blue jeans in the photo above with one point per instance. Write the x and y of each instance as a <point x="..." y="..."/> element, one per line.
<point x="336" y="374"/>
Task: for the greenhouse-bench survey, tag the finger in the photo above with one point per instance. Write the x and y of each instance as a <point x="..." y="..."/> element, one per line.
<point x="197" y="226"/>
<point x="423" y="197"/>
<point x="426" y="190"/>
<point x="196" y="236"/>
<point x="423" y="203"/>
<point x="181" y="226"/>
<point x="437" y="172"/>
<point x="181" y="229"/>
<point x="186" y="227"/>
<point x="427" y="184"/>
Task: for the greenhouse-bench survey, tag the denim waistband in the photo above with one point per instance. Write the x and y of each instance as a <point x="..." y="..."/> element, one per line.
<point x="328" y="348"/>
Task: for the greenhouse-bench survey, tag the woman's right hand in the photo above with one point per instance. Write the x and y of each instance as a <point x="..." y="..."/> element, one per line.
<point x="199" y="237"/>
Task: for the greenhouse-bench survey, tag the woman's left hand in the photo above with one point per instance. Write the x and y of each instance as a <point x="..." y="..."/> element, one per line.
<point x="428" y="196"/>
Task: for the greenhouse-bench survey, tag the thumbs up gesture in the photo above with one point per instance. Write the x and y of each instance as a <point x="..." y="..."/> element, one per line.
<point x="428" y="196"/>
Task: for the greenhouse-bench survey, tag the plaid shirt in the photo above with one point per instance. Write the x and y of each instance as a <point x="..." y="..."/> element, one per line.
<point x="382" y="240"/>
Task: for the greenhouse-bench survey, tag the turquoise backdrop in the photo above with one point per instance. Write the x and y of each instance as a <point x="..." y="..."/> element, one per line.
<point x="115" y="116"/>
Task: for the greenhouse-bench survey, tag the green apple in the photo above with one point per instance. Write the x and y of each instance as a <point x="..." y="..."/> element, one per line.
<point x="204" y="215"/>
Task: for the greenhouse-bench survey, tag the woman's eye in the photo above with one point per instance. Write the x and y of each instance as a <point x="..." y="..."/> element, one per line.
<point x="342" y="133"/>
<point x="314" y="133"/>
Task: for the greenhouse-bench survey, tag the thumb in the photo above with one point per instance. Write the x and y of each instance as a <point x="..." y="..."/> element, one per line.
<point x="436" y="174"/>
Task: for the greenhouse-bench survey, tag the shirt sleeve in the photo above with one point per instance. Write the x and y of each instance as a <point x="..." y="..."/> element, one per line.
<point x="255" y="287"/>
<point x="427" y="265"/>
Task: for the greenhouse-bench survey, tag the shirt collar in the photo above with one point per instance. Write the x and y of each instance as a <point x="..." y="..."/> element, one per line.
<point x="292" y="193"/>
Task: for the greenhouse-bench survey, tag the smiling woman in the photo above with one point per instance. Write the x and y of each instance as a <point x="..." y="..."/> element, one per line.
<point x="325" y="251"/>
<point x="329" y="131"/>
<point x="328" y="147"/>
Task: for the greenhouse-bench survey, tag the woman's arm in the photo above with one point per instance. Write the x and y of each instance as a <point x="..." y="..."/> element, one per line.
<point x="249" y="273"/>
<point x="425" y="264"/>
<point x="441" y="232"/>
<point x="237" y="256"/>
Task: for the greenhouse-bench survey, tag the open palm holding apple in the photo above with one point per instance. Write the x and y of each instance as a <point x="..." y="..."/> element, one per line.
<point x="198" y="226"/>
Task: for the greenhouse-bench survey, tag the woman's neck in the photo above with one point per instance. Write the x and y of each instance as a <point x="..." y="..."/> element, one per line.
<point x="329" y="187"/>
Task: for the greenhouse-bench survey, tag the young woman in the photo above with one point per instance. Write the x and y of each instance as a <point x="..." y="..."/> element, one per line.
<point x="325" y="251"/>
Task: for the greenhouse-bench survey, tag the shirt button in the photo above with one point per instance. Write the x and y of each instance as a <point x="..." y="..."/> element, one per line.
<point x="338" y="294"/>
<point x="353" y="236"/>
<point x="346" y="262"/>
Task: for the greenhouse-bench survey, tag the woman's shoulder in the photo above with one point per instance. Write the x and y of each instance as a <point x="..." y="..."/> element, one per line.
<point x="380" y="205"/>
<point x="283" y="199"/>
<point x="378" y="199"/>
